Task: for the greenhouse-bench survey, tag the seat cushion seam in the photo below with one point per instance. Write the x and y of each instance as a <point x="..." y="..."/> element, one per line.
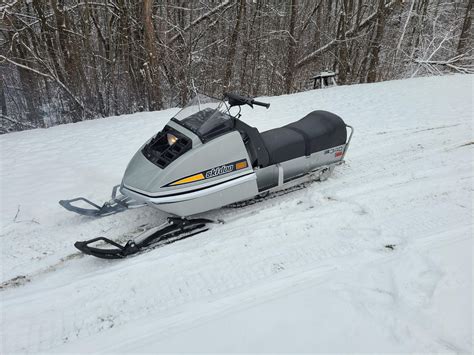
<point x="306" y="139"/>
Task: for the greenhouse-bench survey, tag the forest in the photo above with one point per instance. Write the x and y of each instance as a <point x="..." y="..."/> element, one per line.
<point x="64" y="61"/>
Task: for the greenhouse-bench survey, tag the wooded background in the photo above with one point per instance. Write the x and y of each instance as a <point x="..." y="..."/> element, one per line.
<point x="70" y="60"/>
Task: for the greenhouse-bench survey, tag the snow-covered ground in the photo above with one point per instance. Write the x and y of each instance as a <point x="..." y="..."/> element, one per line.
<point x="376" y="259"/>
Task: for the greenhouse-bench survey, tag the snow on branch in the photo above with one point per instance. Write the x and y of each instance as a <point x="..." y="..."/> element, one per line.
<point x="224" y="6"/>
<point x="450" y="63"/>
<point x="349" y="33"/>
<point x="4" y="8"/>
<point x="16" y="122"/>
<point x="46" y="75"/>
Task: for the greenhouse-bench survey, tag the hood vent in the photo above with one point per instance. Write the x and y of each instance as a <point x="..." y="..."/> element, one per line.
<point x="161" y="153"/>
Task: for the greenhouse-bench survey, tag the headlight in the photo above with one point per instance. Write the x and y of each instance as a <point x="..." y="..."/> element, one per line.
<point x="171" y="138"/>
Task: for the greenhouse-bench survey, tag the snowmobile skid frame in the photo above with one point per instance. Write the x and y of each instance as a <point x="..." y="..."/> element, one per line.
<point x="297" y="183"/>
<point x="174" y="229"/>
<point x="117" y="203"/>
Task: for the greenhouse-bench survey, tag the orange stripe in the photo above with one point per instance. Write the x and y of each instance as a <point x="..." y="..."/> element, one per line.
<point x="241" y="165"/>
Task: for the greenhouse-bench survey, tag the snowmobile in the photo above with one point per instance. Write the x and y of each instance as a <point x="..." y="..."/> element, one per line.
<point x="206" y="157"/>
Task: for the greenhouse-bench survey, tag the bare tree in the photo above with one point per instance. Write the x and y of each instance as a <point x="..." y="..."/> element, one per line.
<point x="151" y="67"/>
<point x="376" y="42"/>
<point x="292" y="43"/>
<point x="233" y="44"/>
<point x="466" y="30"/>
<point x="69" y="60"/>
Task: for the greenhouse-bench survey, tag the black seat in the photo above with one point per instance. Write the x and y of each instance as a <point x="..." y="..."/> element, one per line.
<point x="316" y="131"/>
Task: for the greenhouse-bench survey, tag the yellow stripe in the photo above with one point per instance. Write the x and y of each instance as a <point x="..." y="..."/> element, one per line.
<point x="193" y="178"/>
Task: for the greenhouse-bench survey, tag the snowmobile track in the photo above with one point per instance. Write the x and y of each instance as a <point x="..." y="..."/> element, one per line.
<point x="270" y="196"/>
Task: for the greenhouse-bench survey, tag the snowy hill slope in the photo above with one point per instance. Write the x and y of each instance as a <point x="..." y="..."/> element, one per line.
<point x="308" y="271"/>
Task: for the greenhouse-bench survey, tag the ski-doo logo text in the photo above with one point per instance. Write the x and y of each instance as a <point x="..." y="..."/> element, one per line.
<point x="224" y="169"/>
<point x="211" y="173"/>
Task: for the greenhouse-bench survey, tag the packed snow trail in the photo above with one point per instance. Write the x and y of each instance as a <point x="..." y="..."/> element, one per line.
<point x="377" y="258"/>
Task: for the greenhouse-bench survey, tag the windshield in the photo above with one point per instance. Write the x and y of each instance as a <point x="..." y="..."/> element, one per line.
<point x="205" y="116"/>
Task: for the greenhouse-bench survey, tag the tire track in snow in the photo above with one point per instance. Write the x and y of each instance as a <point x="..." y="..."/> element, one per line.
<point x="201" y="280"/>
<point x="197" y="286"/>
<point x="90" y="297"/>
<point x="341" y="172"/>
<point x="205" y="283"/>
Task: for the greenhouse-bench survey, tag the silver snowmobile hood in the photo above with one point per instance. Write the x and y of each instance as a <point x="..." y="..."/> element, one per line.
<point x="141" y="174"/>
<point x="215" y="162"/>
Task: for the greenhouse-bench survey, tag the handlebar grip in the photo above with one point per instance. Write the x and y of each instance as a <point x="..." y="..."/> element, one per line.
<point x="258" y="103"/>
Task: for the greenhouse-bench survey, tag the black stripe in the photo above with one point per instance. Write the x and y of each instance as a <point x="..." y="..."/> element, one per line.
<point x="187" y="192"/>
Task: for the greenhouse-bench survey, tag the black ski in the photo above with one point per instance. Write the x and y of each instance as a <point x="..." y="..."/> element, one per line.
<point x="174" y="230"/>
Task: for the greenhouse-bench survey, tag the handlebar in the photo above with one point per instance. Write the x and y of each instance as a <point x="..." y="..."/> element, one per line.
<point x="258" y="103"/>
<point x="238" y="100"/>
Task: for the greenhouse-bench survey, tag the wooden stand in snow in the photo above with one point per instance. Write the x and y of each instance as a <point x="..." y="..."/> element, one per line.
<point x="324" y="79"/>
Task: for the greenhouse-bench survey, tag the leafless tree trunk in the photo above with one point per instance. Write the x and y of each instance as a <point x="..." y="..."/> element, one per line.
<point x="232" y="46"/>
<point x="3" y="101"/>
<point x="290" y="68"/>
<point x="151" y="66"/>
<point x="376" y="43"/>
<point x="466" y="30"/>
